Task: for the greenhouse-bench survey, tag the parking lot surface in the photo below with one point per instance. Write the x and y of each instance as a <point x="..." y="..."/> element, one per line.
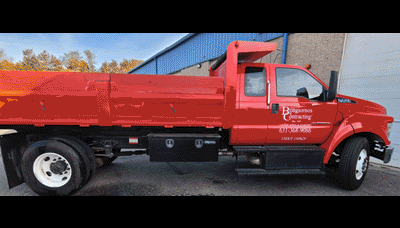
<point x="136" y="176"/>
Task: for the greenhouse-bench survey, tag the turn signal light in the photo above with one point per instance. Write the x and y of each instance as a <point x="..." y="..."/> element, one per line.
<point x="389" y="126"/>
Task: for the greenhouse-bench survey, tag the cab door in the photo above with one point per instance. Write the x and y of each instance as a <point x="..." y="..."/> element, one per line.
<point x="299" y="114"/>
<point x="250" y="122"/>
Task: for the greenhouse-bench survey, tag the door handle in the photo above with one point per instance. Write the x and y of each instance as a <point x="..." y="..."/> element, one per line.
<point x="269" y="93"/>
<point x="275" y="108"/>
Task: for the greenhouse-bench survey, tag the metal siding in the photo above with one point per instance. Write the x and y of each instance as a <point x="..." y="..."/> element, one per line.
<point x="261" y="37"/>
<point x="371" y="71"/>
<point x="193" y="47"/>
<point x="198" y="48"/>
<point x="149" y="68"/>
<point x="172" y="60"/>
<point x="214" y="45"/>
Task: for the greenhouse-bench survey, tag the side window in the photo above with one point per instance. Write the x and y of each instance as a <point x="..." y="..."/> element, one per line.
<point x="255" y="82"/>
<point x="297" y="83"/>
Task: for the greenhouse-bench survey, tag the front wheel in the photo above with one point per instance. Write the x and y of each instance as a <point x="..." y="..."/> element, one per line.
<point x="354" y="162"/>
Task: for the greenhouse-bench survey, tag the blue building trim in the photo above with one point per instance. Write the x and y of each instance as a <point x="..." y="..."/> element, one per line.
<point x="284" y="47"/>
<point x="195" y="48"/>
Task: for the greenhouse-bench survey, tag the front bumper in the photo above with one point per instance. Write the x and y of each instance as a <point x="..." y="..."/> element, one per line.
<point x="382" y="152"/>
<point x="387" y="154"/>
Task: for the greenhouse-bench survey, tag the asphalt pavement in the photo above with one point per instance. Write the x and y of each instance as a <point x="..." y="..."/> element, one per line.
<point x="136" y="176"/>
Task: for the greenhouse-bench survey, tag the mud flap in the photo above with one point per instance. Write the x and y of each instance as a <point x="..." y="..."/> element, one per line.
<point x="11" y="152"/>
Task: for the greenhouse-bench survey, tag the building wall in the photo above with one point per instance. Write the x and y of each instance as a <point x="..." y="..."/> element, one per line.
<point x="370" y="71"/>
<point x="322" y="50"/>
<point x="193" y="49"/>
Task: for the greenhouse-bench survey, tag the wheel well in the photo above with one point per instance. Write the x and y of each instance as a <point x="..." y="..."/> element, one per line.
<point x="371" y="137"/>
<point x="368" y="135"/>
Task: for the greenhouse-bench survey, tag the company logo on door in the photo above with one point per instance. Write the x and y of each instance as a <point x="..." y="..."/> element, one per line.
<point x="297" y="114"/>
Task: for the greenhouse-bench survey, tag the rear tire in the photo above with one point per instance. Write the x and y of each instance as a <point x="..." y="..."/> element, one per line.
<point x="50" y="167"/>
<point x="354" y="162"/>
<point x="85" y="152"/>
<point x="90" y="154"/>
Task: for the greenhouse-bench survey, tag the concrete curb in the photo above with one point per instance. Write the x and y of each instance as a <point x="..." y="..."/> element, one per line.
<point x="385" y="168"/>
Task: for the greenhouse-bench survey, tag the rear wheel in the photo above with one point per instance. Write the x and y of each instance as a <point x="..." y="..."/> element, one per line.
<point x="354" y="162"/>
<point x="52" y="170"/>
<point x="50" y="167"/>
<point x="84" y="151"/>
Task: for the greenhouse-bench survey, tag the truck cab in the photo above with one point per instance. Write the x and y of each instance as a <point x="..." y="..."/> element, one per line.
<point x="280" y="104"/>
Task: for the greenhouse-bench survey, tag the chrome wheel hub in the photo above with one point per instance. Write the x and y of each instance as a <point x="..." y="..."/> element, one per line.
<point x="52" y="169"/>
<point x="362" y="164"/>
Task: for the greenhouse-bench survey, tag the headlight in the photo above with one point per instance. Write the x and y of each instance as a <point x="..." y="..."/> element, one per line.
<point x="389" y="126"/>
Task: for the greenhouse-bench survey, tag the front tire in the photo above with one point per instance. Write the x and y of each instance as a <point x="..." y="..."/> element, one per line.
<point x="354" y="162"/>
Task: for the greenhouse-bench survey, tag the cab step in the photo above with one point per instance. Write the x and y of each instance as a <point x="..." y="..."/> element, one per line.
<point x="276" y="160"/>
<point x="261" y="172"/>
<point x="252" y="149"/>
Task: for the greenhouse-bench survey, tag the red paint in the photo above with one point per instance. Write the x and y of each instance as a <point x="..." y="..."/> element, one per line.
<point x="88" y="99"/>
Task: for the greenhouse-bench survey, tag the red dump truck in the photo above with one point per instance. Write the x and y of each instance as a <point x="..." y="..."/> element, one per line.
<point x="281" y="117"/>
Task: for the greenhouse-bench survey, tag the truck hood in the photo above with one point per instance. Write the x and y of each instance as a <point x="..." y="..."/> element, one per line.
<point x="350" y="105"/>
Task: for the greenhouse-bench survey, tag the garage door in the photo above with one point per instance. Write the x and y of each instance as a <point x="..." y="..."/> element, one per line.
<point x="371" y="70"/>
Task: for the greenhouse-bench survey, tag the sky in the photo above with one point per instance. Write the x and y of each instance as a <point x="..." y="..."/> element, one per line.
<point x="105" y="46"/>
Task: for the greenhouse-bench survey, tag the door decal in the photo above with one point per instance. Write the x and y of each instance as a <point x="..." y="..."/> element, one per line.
<point x="296" y="114"/>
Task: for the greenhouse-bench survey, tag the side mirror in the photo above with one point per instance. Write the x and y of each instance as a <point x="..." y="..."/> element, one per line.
<point x="302" y="92"/>
<point x="332" y="86"/>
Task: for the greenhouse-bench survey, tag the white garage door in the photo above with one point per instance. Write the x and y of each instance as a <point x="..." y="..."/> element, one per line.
<point x="371" y="70"/>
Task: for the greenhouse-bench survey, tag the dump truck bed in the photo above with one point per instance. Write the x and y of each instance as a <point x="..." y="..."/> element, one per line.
<point x="86" y="99"/>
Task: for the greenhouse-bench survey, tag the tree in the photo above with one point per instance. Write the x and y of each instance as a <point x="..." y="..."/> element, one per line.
<point x="73" y="62"/>
<point x="2" y="54"/>
<point x="6" y="62"/>
<point x="105" y="68"/>
<point x="90" y="60"/>
<point x="119" y="68"/>
<point x="6" y="65"/>
<point x="29" y="61"/>
<point x="48" y="62"/>
<point x="42" y="62"/>
<point x="114" y="67"/>
<point x="110" y="68"/>
<point x="127" y="65"/>
<point x="69" y="62"/>
<point x="55" y="64"/>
